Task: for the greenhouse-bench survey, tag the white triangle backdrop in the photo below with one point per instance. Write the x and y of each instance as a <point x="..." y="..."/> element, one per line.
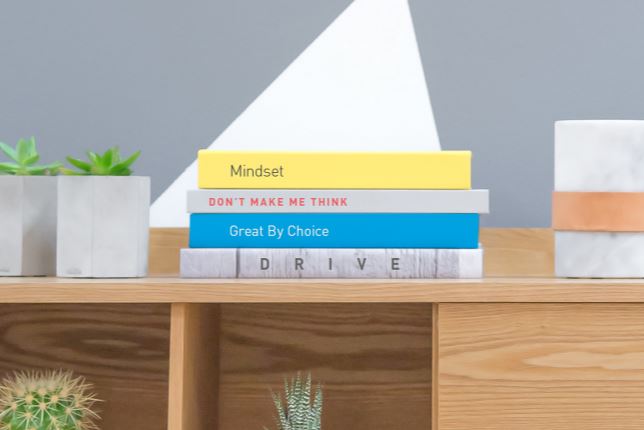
<point x="359" y="86"/>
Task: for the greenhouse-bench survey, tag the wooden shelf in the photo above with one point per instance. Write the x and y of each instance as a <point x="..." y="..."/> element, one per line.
<point x="176" y="290"/>
<point x="517" y="350"/>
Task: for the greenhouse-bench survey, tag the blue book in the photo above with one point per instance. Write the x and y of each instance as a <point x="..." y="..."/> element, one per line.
<point x="334" y="230"/>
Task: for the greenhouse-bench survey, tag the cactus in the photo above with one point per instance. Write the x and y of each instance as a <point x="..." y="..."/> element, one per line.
<point x="53" y="400"/>
<point x="302" y="411"/>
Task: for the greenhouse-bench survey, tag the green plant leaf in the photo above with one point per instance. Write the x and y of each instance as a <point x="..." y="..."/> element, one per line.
<point x="109" y="163"/>
<point x="94" y="158"/>
<point x="127" y="162"/>
<point x="25" y="149"/>
<point x="9" y="151"/>
<point x="120" y="172"/>
<point x="26" y="157"/>
<point x="53" y="168"/>
<point x="9" y="168"/>
<point x="33" y="159"/>
<point x="38" y="170"/>
<point x="69" y="172"/>
<point x="106" y="159"/>
<point x="86" y="167"/>
<point x="116" y="155"/>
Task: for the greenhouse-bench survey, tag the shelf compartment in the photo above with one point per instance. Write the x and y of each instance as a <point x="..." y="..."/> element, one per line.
<point x="121" y="349"/>
<point x="374" y="361"/>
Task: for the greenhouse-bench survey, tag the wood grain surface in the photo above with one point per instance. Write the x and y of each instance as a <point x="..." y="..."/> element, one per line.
<point x="508" y="251"/>
<point x="519" y="252"/>
<point x="194" y="367"/>
<point x="165" y="244"/>
<point x="173" y="290"/>
<point x="122" y="349"/>
<point x="541" y="367"/>
<point x="374" y="362"/>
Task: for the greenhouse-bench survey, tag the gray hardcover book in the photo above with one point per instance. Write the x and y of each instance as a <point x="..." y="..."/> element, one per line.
<point x="332" y="263"/>
<point x="383" y="201"/>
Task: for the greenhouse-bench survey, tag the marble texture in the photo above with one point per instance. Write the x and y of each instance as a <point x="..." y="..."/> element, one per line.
<point x="345" y="263"/>
<point x="599" y="156"/>
<point x="103" y="226"/>
<point x="28" y="227"/>
<point x="203" y="263"/>
<point x="581" y="254"/>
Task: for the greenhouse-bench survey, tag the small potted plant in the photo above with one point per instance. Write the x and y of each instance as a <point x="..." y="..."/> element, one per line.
<point x="299" y="407"/>
<point x="103" y="218"/>
<point x="27" y="212"/>
<point x="53" y="400"/>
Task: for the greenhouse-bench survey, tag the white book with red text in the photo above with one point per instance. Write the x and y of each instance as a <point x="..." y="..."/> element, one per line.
<point x="327" y="200"/>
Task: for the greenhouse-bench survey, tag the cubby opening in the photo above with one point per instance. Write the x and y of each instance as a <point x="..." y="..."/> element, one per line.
<point x="120" y="348"/>
<point x="374" y="361"/>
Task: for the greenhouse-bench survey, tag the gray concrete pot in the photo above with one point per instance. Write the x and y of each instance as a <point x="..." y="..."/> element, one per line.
<point x="103" y="226"/>
<point x="27" y="225"/>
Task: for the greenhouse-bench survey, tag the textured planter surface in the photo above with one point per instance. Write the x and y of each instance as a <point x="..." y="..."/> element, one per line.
<point x="103" y="226"/>
<point x="27" y="225"/>
<point x="599" y="156"/>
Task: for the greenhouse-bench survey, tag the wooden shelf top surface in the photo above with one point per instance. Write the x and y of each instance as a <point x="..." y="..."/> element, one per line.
<point x="176" y="290"/>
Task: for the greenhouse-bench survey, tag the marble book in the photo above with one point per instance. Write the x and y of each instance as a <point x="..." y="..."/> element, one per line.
<point x="332" y="263"/>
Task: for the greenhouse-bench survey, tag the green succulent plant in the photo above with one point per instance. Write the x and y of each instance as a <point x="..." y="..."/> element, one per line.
<point x="108" y="164"/>
<point x="24" y="158"/>
<point x="53" y="400"/>
<point x="298" y="408"/>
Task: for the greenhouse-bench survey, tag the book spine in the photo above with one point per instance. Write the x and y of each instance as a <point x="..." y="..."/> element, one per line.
<point x="334" y="230"/>
<point x="323" y="201"/>
<point x="311" y="170"/>
<point x="332" y="263"/>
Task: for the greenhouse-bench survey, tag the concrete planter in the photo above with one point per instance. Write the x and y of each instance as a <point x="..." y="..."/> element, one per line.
<point x="103" y="226"/>
<point x="600" y="157"/>
<point x="27" y="225"/>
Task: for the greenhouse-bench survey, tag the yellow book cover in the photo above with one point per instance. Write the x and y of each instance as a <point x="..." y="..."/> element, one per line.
<point x="335" y="170"/>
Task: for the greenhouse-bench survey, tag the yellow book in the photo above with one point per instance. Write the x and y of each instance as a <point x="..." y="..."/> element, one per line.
<point x="336" y="170"/>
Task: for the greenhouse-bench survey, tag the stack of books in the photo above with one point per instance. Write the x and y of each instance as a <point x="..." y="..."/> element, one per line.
<point x="334" y="215"/>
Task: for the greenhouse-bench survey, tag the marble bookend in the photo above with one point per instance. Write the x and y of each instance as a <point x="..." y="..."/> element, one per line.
<point x="599" y="156"/>
<point x="331" y="263"/>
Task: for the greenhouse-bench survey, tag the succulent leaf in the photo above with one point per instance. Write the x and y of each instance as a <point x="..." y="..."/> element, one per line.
<point x="127" y="162"/>
<point x="32" y="159"/>
<point x="86" y="167"/>
<point x="106" y="159"/>
<point x="302" y="409"/>
<point x="9" y="151"/>
<point x="108" y="164"/>
<point x="94" y="158"/>
<point x="25" y="156"/>
<point x="9" y="166"/>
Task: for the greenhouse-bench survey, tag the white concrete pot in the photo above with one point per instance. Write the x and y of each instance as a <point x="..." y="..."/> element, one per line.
<point x="103" y="226"/>
<point x="599" y="156"/>
<point x="27" y="225"/>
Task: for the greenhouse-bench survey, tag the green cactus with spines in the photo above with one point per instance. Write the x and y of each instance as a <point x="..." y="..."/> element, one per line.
<point x="51" y="400"/>
<point x="298" y="408"/>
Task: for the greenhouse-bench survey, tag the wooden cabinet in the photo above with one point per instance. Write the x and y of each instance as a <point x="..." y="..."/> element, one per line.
<point x="517" y="350"/>
<point x="540" y="366"/>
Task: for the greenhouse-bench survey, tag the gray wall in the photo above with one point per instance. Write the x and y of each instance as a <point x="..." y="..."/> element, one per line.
<point x="169" y="76"/>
